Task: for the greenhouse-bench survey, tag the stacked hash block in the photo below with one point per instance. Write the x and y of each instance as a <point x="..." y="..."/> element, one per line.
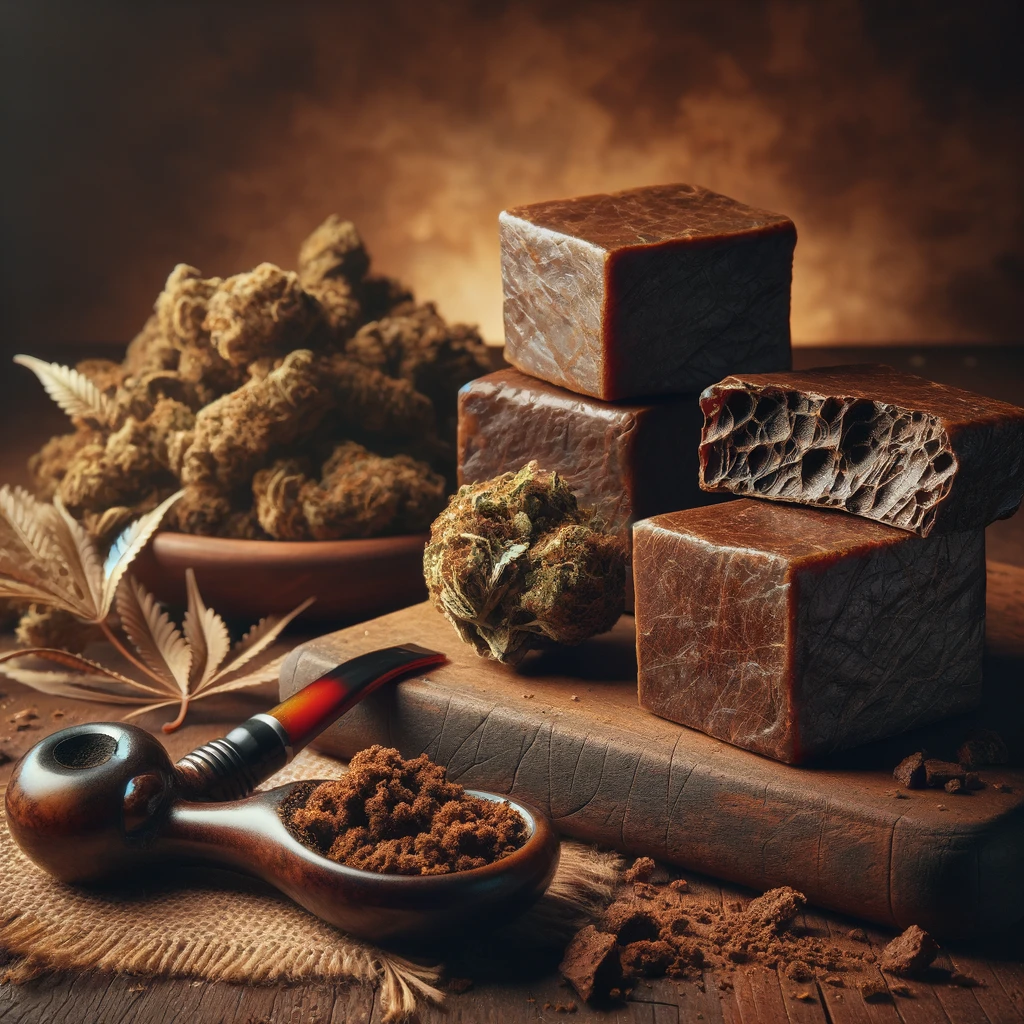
<point x="842" y="599"/>
<point x="786" y="629"/>
<point x="619" y="309"/>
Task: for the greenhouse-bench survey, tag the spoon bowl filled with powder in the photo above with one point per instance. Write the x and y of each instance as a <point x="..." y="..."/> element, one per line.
<point x="395" y="816"/>
<point x="393" y="852"/>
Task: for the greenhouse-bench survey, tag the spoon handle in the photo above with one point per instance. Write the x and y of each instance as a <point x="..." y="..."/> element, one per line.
<point x="232" y="767"/>
<point x="307" y="713"/>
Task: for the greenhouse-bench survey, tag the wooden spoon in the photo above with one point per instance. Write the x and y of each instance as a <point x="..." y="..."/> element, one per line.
<point x="93" y="802"/>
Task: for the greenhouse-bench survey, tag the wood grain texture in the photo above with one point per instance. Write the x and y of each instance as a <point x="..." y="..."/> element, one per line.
<point x="565" y="733"/>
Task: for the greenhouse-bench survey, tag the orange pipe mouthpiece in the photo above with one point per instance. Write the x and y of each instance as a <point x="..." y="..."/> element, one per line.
<point x="232" y="767"/>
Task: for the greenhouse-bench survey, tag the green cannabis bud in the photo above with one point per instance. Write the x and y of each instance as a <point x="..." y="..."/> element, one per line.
<point x="514" y="564"/>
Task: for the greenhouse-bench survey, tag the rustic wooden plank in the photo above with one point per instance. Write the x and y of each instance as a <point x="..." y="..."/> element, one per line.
<point x="829" y="1004"/>
<point x="961" y="1005"/>
<point x="700" y="1000"/>
<point x="731" y="1003"/>
<point x="846" y="1004"/>
<point x="653" y="1003"/>
<point x="758" y="995"/>
<point x="716" y="988"/>
<point x="922" y="1005"/>
<point x="803" y="1001"/>
<point x="749" y="993"/>
<point x="87" y="998"/>
<point x="78" y="998"/>
<point x="75" y="999"/>
<point x="734" y="987"/>
<point x="129" y="1000"/>
<point x="565" y="733"/>
<point x="843" y="1004"/>
<point x="990" y="995"/>
<point x="772" y="995"/>
<point x="1011" y="978"/>
<point x="647" y="1008"/>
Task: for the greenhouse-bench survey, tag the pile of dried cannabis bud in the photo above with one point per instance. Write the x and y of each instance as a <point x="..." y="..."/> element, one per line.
<point x="513" y="563"/>
<point x="401" y="817"/>
<point x="296" y="406"/>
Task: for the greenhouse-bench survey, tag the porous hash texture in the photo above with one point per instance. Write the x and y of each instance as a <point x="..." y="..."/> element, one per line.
<point x="869" y="458"/>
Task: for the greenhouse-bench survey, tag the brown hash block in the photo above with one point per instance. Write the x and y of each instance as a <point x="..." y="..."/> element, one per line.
<point x="627" y="460"/>
<point x="937" y="773"/>
<point x="793" y="632"/>
<point x="910" y="953"/>
<point x="911" y="772"/>
<point x="983" y="747"/>
<point x="656" y="290"/>
<point x="869" y="440"/>
<point x="591" y="963"/>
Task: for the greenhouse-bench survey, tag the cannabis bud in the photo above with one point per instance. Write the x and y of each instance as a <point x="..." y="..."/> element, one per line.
<point x="513" y="563"/>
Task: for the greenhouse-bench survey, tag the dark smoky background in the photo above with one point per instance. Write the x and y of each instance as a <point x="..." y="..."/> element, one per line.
<point x="140" y="136"/>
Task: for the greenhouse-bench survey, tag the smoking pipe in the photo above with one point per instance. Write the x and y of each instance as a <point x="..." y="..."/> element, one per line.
<point x="96" y="801"/>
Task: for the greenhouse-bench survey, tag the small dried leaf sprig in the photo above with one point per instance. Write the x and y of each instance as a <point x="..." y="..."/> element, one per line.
<point x="47" y="558"/>
<point x="513" y="563"/>
<point x="72" y="391"/>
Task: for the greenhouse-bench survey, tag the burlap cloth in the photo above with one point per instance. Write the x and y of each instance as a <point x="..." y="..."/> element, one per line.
<point x="221" y="926"/>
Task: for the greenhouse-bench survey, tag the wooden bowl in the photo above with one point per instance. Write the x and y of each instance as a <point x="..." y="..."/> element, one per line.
<point x="352" y="580"/>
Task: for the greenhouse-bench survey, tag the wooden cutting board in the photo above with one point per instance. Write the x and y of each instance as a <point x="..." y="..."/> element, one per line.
<point x="564" y="733"/>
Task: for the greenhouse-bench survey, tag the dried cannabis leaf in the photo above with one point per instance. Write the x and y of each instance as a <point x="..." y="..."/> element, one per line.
<point x="72" y="391"/>
<point x="157" y="639"/>
<point x="47" y="557"/>
<point x="513" y="563"/>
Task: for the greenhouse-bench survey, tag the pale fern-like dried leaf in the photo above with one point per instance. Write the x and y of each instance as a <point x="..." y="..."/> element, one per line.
<point x="257" y="640"/>
<point x="60" y="684"/>
<point x="32" y="593"/>
<point x="264" y="674"/>
<point x="206" y="633"/>
<point x="71" y="390"/>
<point x="192" y="627"/>
<point x="38" y="551"/>
<point x="77" y="662"/>
<point x="15" y="564"/>
<point x="150" y="707"/>
<point x="82" y="560"/>
<point x="157" y="639"/>
<point x="126" y="548"/>
<point x="30" y="521"/>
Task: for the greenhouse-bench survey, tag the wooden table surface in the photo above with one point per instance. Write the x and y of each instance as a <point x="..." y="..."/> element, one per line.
<point x="749" y="994"/>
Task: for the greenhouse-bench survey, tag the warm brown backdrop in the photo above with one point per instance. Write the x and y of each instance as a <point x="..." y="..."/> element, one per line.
<point x="141" y="135"/>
